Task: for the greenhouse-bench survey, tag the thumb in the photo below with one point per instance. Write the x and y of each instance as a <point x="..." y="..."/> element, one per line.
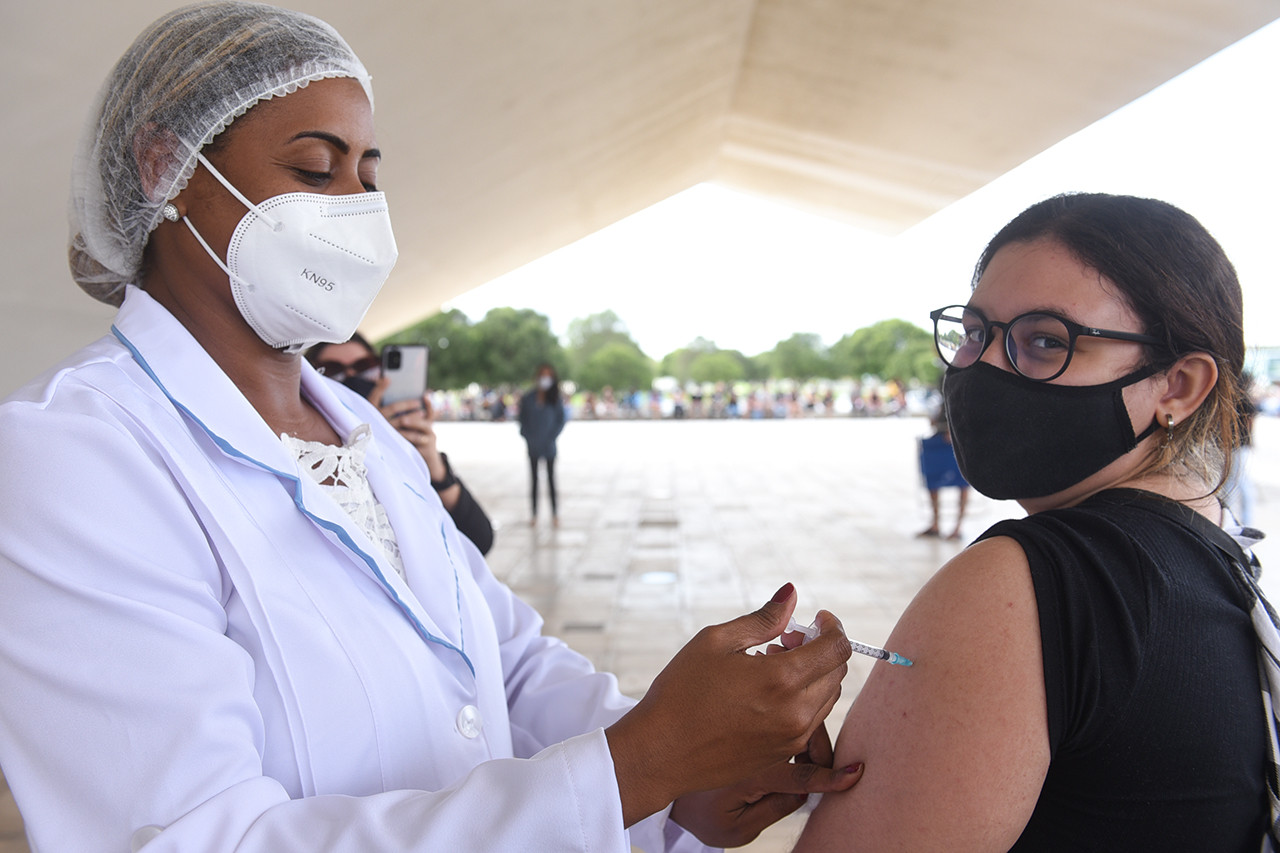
<point x="788" y="778"/>
<point x="768" y="622"/>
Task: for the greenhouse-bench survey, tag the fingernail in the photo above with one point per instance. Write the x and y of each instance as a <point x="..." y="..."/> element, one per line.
<point x="853" y="768"/>
<point x="782" y="594"/>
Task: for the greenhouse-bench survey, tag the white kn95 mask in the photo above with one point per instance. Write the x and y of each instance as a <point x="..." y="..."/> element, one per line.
<point x="305" y="267"/>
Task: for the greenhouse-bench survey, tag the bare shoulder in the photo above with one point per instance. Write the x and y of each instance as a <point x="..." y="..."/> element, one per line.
<point x="956" y="746"/>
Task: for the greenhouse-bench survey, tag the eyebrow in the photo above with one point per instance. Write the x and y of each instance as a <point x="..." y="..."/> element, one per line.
<point x="337" y="142"/>
<point x="1057" y="312"/>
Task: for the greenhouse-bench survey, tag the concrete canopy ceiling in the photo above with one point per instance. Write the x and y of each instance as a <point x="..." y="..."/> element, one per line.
<point x="511" y="128"/>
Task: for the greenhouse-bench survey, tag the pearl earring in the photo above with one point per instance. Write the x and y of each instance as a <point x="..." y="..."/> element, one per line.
<point x="170" y="212"/>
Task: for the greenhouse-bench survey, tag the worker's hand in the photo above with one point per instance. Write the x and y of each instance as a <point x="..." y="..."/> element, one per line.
<point x="734" y="815"/>
<point x="717" y="715"/>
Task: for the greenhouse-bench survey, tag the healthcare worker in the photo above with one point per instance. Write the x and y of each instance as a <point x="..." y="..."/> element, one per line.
<point x="233" y="613"/>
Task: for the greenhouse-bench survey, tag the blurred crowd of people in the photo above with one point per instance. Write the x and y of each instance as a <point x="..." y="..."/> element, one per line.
<point x="773" y="399"/>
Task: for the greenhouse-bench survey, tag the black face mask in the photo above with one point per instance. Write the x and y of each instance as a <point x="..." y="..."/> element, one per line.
<point x="357" y="383"/>
<point x="1017" y="438"/>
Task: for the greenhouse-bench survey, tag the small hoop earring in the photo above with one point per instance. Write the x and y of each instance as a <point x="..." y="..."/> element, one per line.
<point x="170" y="212"/>
<point x="1168" y="422"/>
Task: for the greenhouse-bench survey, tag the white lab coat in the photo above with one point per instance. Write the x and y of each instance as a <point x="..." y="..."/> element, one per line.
<point x="197" y="644"/>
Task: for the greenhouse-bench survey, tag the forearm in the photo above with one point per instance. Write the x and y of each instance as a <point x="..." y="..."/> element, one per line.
<point x="446" y="485"/>
<point x="638" y="768"/>
<point x="470" y="518"/>
<point x="451" y="497"/>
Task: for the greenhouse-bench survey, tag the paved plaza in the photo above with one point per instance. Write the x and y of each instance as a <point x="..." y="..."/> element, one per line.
<point x="667" y="526"/>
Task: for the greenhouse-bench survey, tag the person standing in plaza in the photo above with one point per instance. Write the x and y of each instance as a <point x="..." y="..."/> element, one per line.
<point x="940" y="471"/>
<point x="541" y="421"/>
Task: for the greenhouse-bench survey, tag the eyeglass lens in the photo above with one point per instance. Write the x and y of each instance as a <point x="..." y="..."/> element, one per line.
<point x="1038" y="345"/>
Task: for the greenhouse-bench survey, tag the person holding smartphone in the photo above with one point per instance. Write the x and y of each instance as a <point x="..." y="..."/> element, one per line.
<point x="358" y="365"/>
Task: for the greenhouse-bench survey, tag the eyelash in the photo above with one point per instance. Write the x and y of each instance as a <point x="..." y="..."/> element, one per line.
<point x="319" y="178"/>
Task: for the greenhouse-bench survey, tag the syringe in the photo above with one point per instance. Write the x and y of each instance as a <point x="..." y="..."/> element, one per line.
<point x="861" y="648"/>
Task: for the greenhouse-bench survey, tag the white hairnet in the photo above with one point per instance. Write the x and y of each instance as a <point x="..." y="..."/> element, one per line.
<point x="184" y="79"/>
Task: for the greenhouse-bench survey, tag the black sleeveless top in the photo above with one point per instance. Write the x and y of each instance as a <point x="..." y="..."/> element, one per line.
<point x="1156" y="730"/>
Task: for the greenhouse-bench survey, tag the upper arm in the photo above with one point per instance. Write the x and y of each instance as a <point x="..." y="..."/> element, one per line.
<point x="956" y="747"/>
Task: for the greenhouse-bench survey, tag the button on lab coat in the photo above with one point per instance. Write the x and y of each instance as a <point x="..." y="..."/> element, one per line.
<point x="200" y="651"/>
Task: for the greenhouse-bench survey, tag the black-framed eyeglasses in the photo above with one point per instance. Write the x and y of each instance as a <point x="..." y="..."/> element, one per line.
<point x="1039" y="345"/>
<point x="338" y="370"/>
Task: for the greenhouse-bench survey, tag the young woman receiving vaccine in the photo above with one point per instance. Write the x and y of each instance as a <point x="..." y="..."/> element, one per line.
<point x="210" y="643"/>
<point x="1086" y="678"/>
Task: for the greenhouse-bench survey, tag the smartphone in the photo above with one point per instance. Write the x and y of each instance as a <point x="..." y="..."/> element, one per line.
<point x="406" y="366"/>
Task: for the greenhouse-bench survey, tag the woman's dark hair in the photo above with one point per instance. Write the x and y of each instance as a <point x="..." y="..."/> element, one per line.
<point x="552" y="394"/>
<point x="1173" y="274"/>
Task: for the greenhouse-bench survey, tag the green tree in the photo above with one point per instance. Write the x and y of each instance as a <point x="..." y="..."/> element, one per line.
<point x="593" y="333"/>
<point x="619" y="365"/>
<point x="718" y="366"/>
<point x="590" y="333"/>
<point x="887" y="349"/>
<point x="801" y="356"/>
<point x="917" y="360"/>
<point x="678" y="362"/>
<point x="512" y="343"/>
<point x="758" y="367"/>
<point x="455" y="360"/>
